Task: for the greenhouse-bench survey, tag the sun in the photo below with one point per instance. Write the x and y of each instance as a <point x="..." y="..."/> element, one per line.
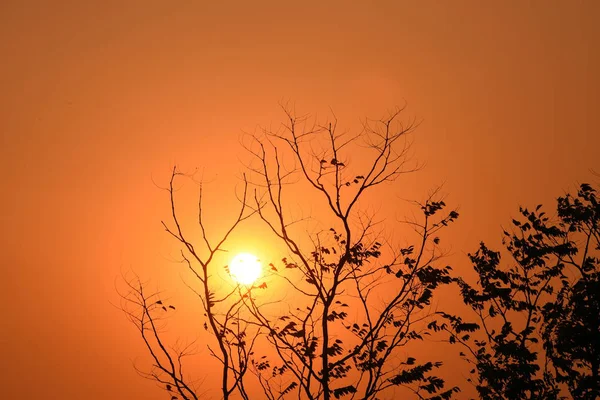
<point x="245" y="268"/>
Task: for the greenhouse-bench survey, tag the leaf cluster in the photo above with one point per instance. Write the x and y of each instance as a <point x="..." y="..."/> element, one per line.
<point x="538" y="317"/>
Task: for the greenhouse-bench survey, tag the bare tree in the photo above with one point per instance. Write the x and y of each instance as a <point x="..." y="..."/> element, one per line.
<point x="221" y="304"/>
<point x="359" y="301"/>
<point x="147" y="312"/>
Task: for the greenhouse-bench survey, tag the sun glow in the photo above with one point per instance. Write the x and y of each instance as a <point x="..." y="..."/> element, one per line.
<point x="245" y="268"/>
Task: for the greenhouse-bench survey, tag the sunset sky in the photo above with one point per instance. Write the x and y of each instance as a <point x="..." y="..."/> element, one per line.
<point x="99" y="99"/>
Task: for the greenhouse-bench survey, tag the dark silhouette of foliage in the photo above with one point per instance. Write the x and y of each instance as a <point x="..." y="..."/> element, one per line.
<point x="359" y="303"/>
<point x="538" y="318"/>
<point x="572" y="330"/>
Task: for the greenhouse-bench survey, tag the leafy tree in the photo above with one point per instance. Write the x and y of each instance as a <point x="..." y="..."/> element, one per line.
<point x="538" y="318"/>
<point x="572" y="322"/>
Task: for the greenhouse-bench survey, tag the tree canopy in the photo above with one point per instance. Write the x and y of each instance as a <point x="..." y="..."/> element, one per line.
<point x="363" y="303"/>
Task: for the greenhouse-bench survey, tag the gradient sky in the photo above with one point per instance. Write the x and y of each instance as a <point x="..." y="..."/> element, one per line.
<point x="100" y="98"/>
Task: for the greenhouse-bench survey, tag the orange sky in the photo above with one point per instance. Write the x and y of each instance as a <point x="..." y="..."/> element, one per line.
<point x="99" y="97"/>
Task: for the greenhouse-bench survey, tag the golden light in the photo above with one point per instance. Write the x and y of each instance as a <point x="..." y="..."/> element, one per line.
<point x="245" y="268"/>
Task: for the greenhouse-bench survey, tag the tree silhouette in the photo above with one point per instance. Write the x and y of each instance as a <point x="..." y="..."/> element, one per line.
<point x="147" y="312"/>
<point x="220" y="303"/>
<point x="359" y="302"/>
<point x="353" y="303"/>
<point x="538" y="319"/>
<point x="572" y="330"/>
